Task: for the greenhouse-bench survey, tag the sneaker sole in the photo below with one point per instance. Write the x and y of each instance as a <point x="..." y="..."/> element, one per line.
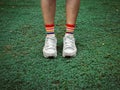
<point x="49" y="55"/>
<point x="69" y="54"/>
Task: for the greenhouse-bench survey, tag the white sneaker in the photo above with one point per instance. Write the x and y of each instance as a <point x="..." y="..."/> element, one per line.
<point x="49" y="49"/>
<point x="69" y="47"/>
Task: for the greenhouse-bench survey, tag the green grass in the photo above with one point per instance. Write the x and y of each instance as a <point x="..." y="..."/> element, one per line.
<point x="96" y="66"/>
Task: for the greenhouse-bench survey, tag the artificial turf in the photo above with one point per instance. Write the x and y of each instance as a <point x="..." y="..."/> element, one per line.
<point x="96" y="66"/>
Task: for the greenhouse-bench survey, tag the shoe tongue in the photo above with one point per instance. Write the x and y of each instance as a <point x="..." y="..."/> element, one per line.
<point x="51" y="35"/>
<point x="69" y="35"/>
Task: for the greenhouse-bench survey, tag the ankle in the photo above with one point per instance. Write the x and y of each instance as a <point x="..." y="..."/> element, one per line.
<point x="70" y="29"/>
<point x="49" y="29"/>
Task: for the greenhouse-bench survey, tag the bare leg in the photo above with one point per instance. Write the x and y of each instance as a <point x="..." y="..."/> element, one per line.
<point x="72" y="8"/>
<point x="48" y="9"/>
<point x="69" y="47"/>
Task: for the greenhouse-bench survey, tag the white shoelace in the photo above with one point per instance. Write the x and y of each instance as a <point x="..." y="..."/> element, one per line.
<point x="69" y="42"/>
<point x="50" y="43"/>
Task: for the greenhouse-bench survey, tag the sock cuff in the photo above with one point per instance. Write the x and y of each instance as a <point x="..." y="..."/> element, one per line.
<point x="70" y="28"/>
<point x="49" y="28"/>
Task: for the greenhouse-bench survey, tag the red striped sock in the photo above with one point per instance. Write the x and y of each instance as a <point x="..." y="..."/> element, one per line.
<point x="70" y="28"/>
<point x="49" y="28"/>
